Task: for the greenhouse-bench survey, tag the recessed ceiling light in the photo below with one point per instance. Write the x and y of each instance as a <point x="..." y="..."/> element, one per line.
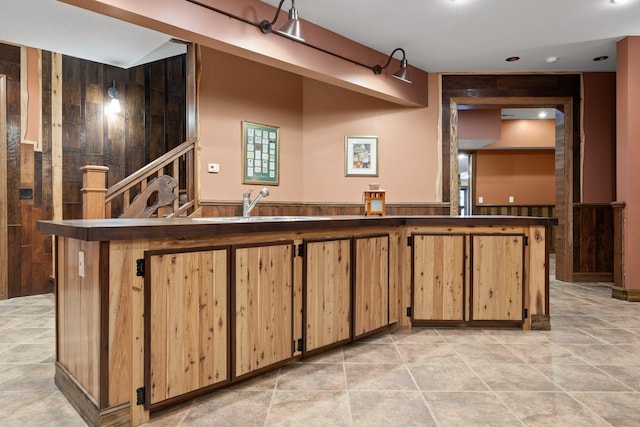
<point x="542" y="114"/>
<point x="552" y="60"/>
<point x="512" y="59"/>
<point x="619" y="1"/>
<point x="601" y="58"/>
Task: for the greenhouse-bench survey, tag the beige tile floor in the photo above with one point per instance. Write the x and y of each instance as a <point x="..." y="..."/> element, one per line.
<point x="584" y="372"/>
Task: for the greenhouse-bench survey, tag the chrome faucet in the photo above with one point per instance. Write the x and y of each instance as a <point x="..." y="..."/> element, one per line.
<point x="247" y="204"/>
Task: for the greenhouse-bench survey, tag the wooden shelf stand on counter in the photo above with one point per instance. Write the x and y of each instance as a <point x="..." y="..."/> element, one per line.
<point x="152" y="312"/>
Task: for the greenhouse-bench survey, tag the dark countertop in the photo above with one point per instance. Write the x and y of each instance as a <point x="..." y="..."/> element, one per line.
<point x="183" y="228"/>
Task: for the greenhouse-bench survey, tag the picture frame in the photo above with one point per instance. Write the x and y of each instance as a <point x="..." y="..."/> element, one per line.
<point x="260" y="154"/>
<point x="361" y="156"/>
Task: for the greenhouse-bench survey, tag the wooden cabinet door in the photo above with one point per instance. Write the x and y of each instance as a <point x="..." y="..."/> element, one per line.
<point x="438" y="277"/>
<point x="497" y="277"/>
<point x="263" y="306"/>
<point x="326" y="293"/>
<point x="371" y="289"/>
<point x="187" y="322"/>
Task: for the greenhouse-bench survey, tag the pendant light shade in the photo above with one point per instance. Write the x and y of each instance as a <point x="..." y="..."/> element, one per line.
<point x="292" y="28"/>
<point x="403" y="72"/>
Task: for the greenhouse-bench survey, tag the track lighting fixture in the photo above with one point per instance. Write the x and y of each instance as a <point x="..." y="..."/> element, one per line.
<point x="292" y="30"/>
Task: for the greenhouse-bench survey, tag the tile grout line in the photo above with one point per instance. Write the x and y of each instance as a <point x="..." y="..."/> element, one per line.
<point x="422" y="396"/>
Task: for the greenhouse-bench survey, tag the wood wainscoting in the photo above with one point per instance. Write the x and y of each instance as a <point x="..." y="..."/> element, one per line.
<point x="266" y="208"/>
<point x="593" y="247"/>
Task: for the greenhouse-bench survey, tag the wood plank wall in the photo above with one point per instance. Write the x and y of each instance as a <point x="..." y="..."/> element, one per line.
<point x="153" y="120"/>
<point x="29" y="253"/>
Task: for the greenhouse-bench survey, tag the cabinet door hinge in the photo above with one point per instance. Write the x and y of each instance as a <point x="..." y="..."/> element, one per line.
<point x="410" y="241"/>
<point x="408" y="311"/>
<point x="140" y="267"/>
<point x="299" y="344"/>
<point x="526" y="240"/>
<point x="300" y="250"/>
<point x="140" y="396"/>
<point x="525" y="313"/>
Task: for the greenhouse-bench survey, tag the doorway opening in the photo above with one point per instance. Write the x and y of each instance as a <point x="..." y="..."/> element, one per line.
<point x="506" y="161"/>
<point x="563" y="163"/>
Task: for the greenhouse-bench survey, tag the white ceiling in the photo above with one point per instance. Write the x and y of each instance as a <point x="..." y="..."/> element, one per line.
<point x="58" y="27"/>
<point x="437" y="35"/>
<point x="478" y="35"/>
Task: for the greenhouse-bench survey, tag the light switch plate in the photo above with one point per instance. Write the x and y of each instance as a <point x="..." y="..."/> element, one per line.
<point x="213" y="168"/>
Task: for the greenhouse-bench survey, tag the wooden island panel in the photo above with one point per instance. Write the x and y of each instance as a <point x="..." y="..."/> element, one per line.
<point x="327" y="293"/>
<point x="263" y="306"/>
<point x="537" y="280"/>
<point x="121" y="271"/>
<point x="438" y="277"/>
<point x="78" y="311"/>
<point x="188" y="322"/>
<point x="498" y="277"/>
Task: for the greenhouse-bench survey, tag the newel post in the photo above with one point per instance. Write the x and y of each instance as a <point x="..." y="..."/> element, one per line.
<point x="94" y="180"/>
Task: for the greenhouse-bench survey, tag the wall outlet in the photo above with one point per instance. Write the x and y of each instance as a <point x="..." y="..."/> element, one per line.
<point x="213" y="168"/>
<point x="510" y="199"/>
<point x="480" y="199"/>
<point x="81" y="263"/>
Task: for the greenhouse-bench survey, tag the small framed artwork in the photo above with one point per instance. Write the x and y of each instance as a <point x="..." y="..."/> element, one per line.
<point x="361" y="156"/>
<point x="260" y="154"/>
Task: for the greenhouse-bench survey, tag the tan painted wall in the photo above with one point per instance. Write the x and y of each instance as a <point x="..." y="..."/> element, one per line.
<point x="628" y="152"/>
<point x="407" y="145"/>
<point x="528" y="175"/>
<point x="600" y="137"/>
<point x="479" y="124"/>
<point x="232" y="90"/>
<point x="314" y="119"/>
<point x="526" y="134"/>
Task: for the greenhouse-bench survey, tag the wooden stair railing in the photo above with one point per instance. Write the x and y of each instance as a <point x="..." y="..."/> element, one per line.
<point x="179" y="164"/>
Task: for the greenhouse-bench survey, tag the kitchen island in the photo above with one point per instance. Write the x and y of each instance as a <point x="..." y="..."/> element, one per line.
<point x="152" y="312"/>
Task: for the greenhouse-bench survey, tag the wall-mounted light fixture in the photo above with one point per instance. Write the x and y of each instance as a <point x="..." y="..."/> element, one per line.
<point x="292" y="30"/>
<point x="114" y="105"/>
<point x="402" y="73"/>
